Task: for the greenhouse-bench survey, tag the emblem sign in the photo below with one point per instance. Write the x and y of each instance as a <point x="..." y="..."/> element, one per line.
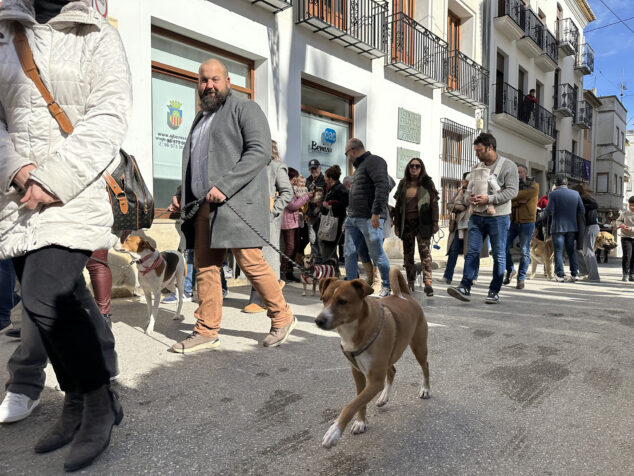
<point x="175" y="114"/>
<point x="101" y="6"/>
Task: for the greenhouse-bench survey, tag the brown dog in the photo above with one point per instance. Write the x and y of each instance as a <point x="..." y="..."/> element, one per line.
<point x="374" y="334"/>
<point x="606" y="241"/>
<point x="542" y="252"/>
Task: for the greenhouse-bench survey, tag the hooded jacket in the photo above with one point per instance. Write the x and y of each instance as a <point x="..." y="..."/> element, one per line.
<point x="83" y="64"/>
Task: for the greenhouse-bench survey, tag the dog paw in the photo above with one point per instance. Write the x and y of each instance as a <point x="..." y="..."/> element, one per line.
<point x="423" y="393"/>
<point x="383" y="399"/>
<point x="358" y="427"/>
<point x="331" y="438"/>
<point x="149" y="332"/>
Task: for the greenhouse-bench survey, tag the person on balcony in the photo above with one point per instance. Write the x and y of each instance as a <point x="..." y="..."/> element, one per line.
<point x="528" y="106"/>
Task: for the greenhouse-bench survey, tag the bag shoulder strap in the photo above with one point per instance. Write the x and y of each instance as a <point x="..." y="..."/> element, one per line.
<point x="498" y="166"/>
<point x="25" y="55"/>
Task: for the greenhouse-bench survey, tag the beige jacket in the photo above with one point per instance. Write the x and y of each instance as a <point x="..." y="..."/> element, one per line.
<point x="83" y="64"/>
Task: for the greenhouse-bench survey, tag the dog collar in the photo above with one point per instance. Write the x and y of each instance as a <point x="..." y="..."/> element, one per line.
<point x="352" y="355"/>
<point x="158" y="262"/>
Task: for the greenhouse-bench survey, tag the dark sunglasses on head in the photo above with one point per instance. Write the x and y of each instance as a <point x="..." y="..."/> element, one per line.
<point x="414" y="166"/>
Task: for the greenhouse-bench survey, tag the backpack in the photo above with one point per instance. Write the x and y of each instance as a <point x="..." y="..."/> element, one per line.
<point x="131" y="200"/>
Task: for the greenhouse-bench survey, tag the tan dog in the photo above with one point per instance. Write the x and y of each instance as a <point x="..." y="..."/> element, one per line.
<point x="542" y="252"/>
<point x="157" y="271"/>
<point x="374" y="334"/>
<point x="606" y="241"/>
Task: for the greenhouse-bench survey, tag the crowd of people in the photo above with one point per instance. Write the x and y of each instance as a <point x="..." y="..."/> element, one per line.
<point x="56" y="218"/>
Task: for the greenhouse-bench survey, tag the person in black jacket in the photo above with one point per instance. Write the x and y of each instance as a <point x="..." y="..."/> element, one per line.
<point x="367" y="211"/>
<point x="314" y="182"/>
<point x="336" y="199"/>
<point x="588" y="263"/>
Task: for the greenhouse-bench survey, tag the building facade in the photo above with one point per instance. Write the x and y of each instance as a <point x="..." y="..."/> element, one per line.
<point x="538" y="58"/>
<point x="628" y="179"/>
<point x="609" y="167"/>
<point x="406" y="77"/>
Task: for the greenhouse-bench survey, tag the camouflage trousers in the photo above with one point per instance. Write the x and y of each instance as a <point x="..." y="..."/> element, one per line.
<point x="410" y="235"/>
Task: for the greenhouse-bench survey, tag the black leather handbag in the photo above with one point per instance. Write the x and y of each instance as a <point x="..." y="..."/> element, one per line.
<point x="131" y="200"/>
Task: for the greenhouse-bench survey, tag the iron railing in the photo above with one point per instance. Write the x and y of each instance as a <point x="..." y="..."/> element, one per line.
<point x="363" y="20"/>
<point x="415" y="46"/>
<point x="466" y="78"/>
<point x="583" y="117"/>
<point x="510" y="101"/>
<point x="571" y="165"/>
<point x="532" y="26"/>
<point x="585" y="59"/>
<point x="568" y="33"/>
<point x="549" y="44"/>
<point x="513" y="9"/>
<point x="565" y="98"/>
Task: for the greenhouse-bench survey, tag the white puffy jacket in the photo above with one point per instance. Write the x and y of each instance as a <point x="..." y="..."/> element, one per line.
<point x="83" y="64"/>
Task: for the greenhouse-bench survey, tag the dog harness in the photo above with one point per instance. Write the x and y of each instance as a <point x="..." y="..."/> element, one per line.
<point x="321" y="271"/>
<point x="352" y="356"/>
<point x="158" y="262"/>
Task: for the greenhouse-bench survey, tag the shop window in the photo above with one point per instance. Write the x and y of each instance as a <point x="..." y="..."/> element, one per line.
<point x="175" y="62"/>
<point x="326" y="124"/>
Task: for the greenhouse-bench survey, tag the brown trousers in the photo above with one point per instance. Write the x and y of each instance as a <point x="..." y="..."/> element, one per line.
<point x="208" y="262"/>
<point x="410" y="235"/>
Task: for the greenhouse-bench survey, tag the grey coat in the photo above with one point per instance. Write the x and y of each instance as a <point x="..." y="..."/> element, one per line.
<point x="281" y="191"/>
<point x="239" y="152"/>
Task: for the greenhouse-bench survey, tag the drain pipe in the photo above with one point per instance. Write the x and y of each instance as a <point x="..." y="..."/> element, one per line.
<point x="486" y="53"/>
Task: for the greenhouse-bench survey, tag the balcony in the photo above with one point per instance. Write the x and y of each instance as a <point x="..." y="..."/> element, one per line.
<point x="572" y="166"/>
<point x="567" y="37"/>
<point x="509" y="19"/>
<point x="547" y="61"/>
<point x="274" y="6"/>
<point x="357" y="24"/>
<point x="584" y="63"/>
<point x="565" y="101"/>
<point x="416" y="52"/>
<point x="532" y="40"/>
<point x="520" y="114"/>
<point x="583" y="118"/>
<point x="467" y="81"/>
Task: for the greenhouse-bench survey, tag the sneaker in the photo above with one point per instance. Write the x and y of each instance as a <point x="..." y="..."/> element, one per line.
<point x="509" y="277"/>
<point x="559" y="279"/>
<point x="195" y="342"/>
<point x="173" y="298"/>
<point x="460" y="293"/>
<point x="624" y="277"/>
<point x="253" y="308"/>
<point x="474" y="282"/>
<point x="429" y="291"/>
<point x="492" y="298"/>
<point x="384" y="292"/>
<point x="574" y="279"/>
<point x="444" y="280"/>
<point x="520" y="285"/>
<point x="278" y="335"/>
<point x="16" y="407"/>
<point x="631" y="277"/>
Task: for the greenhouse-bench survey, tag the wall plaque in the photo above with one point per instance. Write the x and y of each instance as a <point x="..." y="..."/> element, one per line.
<point x="403" y="156"/>
<point x="408" y="126"/>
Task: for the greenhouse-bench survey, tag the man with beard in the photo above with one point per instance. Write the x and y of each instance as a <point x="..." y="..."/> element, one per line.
<point x="224" y="160"/>
<point x="501" y="189"/>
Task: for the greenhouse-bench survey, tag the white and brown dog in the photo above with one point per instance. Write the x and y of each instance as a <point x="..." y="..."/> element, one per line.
<point x="374" y="334"/>
<point x="157" y="271"/>
<point x="318" y="272"/>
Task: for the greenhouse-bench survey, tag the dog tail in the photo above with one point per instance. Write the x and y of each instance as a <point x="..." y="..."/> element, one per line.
<point x="397" y="282"/>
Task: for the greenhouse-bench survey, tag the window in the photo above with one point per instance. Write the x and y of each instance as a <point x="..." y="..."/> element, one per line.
<point x="542" y="16"/>
<point x="602" y="183"/>
<point x="616" y="184"/>
<point x="449" y="190"/>
<point x="574" y="147"/>
<point x="620" y="186"/>
<point x="618" y="136"/>
<point x="622" y="140"/>
<point x="326" y="124"/>
<point x="175" y="62"/>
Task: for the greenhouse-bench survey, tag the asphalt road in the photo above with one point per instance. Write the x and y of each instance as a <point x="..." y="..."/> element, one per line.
<point x="541" y="383"/>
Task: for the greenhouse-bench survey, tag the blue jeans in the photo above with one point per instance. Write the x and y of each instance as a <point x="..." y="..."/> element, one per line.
<point x="559" y="241"/>
<point x="191" y="271"/>
<point x="8" y="297"/>
<point x="496" y="228"/>
<point x="357" y="231"/>
<point x="525" y="232"/>
<point x="452" y="258"/>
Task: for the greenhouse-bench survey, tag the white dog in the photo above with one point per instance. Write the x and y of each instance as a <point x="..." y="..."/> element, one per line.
<point x="157" y="271"/>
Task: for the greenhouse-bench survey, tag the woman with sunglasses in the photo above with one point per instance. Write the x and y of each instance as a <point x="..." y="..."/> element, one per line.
<point x="416" y="218"/>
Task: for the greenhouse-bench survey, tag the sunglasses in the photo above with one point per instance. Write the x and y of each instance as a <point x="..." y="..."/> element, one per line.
<point x="414" y="166"/>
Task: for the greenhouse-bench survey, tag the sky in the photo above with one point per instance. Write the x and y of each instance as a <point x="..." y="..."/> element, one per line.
<point x="612" y="47"/>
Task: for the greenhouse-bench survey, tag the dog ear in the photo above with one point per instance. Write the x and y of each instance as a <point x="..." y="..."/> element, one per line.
<point x="361" y="287"/>
<point x="324" y="283"/>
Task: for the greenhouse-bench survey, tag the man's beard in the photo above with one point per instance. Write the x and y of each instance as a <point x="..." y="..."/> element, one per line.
<point x="210" y="103"/>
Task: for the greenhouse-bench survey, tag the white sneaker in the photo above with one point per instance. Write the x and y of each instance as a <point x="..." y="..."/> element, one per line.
<point x="384" y="292"/>
<point x="16" y="407"/>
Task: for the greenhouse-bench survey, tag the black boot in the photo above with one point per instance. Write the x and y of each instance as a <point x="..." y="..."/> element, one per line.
<point x="102" y="411"/>
<point x="65" y="428"/>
